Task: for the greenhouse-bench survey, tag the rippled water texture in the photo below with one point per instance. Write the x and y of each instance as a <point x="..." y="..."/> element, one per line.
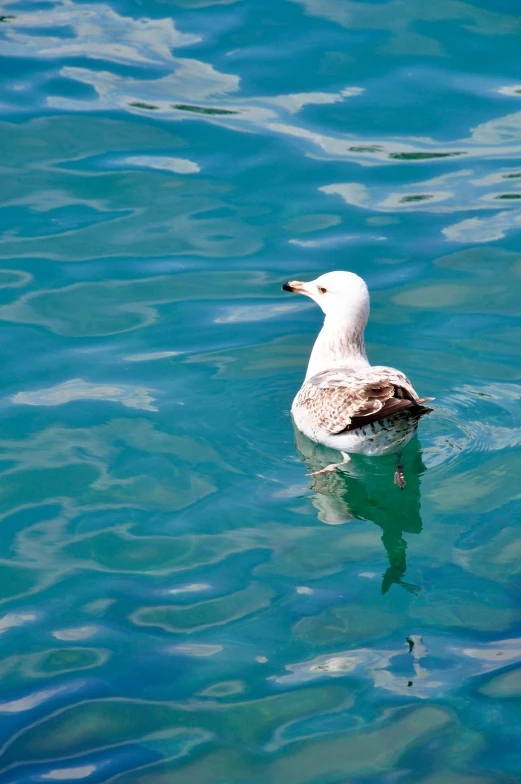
<point x="180" y="602"/>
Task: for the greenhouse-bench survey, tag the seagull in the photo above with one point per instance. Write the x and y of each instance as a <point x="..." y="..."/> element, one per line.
<point x="345" y="403"/>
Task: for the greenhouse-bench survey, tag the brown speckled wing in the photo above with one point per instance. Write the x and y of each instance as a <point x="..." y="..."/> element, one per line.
<point x="335" y="397"/>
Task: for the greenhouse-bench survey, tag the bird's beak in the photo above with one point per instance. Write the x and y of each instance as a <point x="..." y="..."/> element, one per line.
<point x="295" y="285"/>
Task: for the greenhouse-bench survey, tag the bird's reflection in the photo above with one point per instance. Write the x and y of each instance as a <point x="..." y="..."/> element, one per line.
<point x="364" y="490"/>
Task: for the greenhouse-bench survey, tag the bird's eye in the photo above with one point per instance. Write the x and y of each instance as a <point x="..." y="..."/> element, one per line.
<point x="322" y="290"/>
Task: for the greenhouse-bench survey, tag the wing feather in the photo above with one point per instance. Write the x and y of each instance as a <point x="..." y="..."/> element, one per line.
<point x="336" y="397"/>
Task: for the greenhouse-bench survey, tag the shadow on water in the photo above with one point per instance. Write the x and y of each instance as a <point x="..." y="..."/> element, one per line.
<point x="364" y="490"/>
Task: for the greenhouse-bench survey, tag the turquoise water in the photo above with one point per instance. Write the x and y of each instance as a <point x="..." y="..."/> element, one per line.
<point x="180" y="602"/>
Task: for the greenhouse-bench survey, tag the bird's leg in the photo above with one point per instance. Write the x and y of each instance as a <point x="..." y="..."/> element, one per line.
<point x="333" y="466"/>
<point x="399" y="478"/>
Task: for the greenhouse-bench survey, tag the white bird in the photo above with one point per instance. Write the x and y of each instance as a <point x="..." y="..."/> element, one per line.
<point x="344" y="402"/>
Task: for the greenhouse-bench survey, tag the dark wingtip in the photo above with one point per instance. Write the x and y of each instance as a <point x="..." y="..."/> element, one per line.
<point x="286" y="286"/>
<point x="425" y="409"/>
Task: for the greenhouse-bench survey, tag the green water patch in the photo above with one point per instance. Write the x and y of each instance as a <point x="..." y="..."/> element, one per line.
<point x="422" y="156"/>
<point x="140" y="105"/>
<point x="185" y="107"/>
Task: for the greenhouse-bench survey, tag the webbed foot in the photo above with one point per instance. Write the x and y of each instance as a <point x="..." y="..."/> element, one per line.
<point x="332" y="466"/>
<point x="399" y="478"/>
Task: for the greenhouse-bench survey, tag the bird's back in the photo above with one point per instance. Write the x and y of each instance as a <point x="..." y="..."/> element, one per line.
<point x="363" y="409"/>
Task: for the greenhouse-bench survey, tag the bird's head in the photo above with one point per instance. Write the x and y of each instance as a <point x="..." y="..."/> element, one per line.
<point x="339" y="294"/>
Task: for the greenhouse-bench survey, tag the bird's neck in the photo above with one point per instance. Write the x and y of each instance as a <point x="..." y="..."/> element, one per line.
<point x="340" y="343"/>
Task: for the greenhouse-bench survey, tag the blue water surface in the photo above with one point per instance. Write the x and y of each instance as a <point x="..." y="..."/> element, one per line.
<point x="180" y="602"/>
